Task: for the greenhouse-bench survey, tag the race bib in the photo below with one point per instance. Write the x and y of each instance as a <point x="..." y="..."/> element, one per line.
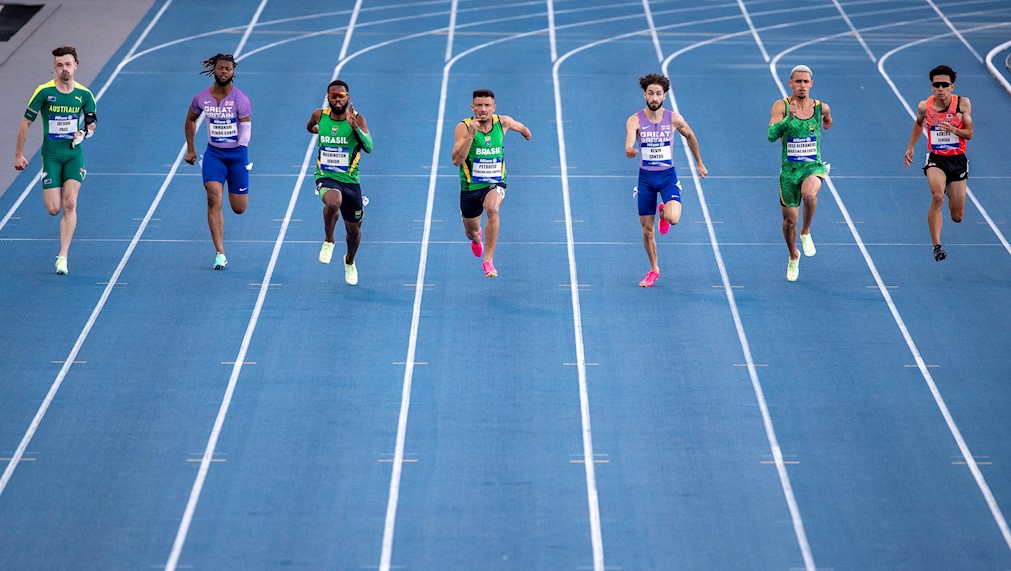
<point x="941" y="141"/>
<point x="659" y="155"/>
<point x="62" y="126"/>
<point x="333" y="159"/>
<point x="487" y="170"/>
<point x="802" y="150"/>
<point x="223" y="130"/>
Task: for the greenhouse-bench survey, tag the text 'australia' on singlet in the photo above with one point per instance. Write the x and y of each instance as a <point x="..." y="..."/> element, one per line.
<point x="338" y="150"/>
<point x="656" y="142"/>
<point x="802" y="137"/>
<point x="940" y="142"/>
<point x="485" y="164"/>
<point x="222" y="117"/>
<point x="62" y="113"/>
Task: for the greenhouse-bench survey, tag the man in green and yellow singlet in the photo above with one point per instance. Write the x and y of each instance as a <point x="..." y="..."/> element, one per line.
<point x="798" y="120"/>
<point x="343" y="135"/>
<point x="478" y="151"/>
<point x="68" y="111"/>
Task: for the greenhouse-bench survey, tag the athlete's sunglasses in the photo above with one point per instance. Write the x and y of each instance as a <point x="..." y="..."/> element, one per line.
<point x="941" y="84"/>
<point x="341" y="94"/>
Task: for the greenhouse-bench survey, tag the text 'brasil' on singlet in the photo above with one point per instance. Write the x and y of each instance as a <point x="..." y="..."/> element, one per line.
<point x="656" y="141"/>
<point x="802" y="137"/>
<point x="338" y="150"/>
<point x="485" y="164"/>
<point x="940" y="142"/>
<point x="222" y="117"/>
<point x="63" y="114"/>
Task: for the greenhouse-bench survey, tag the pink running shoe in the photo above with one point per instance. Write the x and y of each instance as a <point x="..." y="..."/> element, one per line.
<point x="490" y="271"/>
<point x="664" y="225"/>
<point x="478" y="247"/>
<point x="650" y="279"/>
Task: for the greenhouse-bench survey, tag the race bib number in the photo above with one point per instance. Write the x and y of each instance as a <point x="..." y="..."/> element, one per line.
<point x="487" y="170"/>
<point x="62" y="126"/>
<point x="941" y="141"/>
<point x="333" y="159"/>
<point x="659" y="155"/>
<point x="223" y="130"/>
<point x="802" y="150"/>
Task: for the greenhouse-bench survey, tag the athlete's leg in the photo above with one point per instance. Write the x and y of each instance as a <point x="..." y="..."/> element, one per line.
<point x="238" y="202"/>
<point x="790" y="230"/>
<point x="215" y="218"/>
<point x="53" y="198"/>
<point x="809" y="195"/>
<point x="649" y="240"/>
<point x="354" y="238"/>
<point x="492" y="202"/>
<point x="671" y="212"/>
<point x="956" y="199"/>
<point x="936" y="180"/>
<point x="69" y="221"/>
<point x="331" y="211"/>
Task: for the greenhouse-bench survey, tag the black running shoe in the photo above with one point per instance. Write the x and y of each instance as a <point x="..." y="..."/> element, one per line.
<point x="939" y="253"/>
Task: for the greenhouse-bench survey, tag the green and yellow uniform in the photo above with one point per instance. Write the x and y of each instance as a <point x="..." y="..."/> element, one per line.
<point x="63" y="116"/>
<point x="338" y="150"/>
<point x="801" y="152"/>
<point x="485" y="164"/>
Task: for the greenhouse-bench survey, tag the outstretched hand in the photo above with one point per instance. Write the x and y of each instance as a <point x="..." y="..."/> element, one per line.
<point x="352" y="116"/>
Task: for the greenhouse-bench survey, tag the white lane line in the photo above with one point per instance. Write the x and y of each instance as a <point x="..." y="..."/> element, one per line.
<point x="883" y="289"/>
<point x="955" y="31"/>
<point x="589" y="469"/>
<point x="912" y="114"/>
<point x="69" y="361"/>
<point x="856" y="32"/>
<point x="754" y="32"/>
<point x="240" y="360"/>
<point x="770" y="430"/>
<point x="992" y="68"/>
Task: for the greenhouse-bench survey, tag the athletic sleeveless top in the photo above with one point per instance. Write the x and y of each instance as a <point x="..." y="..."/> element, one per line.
<point x="656" y="142"/>
<point x="939" y="142"/>
<point x="338" y="150"/>
<point x="223" y="118"/>
<point x="802" y="137"/>
<point x="485" y="164"/>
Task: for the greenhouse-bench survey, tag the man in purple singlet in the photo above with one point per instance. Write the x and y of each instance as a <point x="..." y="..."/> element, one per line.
<point x="653" y="128"/>
<point x="229" y="126"/>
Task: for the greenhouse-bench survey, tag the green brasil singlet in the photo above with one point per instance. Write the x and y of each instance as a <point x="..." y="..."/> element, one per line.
<point x="339" y="150"/>
<point x="485" y="164"/>
<point x="801" y="154"/>
<point x="63" y="115"/>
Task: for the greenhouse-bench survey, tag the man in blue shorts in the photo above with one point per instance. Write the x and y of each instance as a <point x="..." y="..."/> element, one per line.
<point x="229" y="127"/>
<point x="653" y="128"/>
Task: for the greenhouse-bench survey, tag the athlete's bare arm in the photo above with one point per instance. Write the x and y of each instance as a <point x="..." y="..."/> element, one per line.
<point x="20" y="162"/>
<point x="313" y="125"/>
<point x="464" y="135"/>
<point x="826" y="116"/>
<point x="510" y="123"/>
<point x="921" y="116"/>
<point x="191" y="130"/>
<point x="631" y="129"/>
<point x="693" y="144"/>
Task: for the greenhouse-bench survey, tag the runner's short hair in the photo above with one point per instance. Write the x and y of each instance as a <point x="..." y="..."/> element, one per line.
<point x="338" y="82"/>
<point x="943" y="70"/>
<point x="801" y="69"/>
<point x="654" y="79"/>
<point x="65" y="51"/>
<point x="484" y="93"/>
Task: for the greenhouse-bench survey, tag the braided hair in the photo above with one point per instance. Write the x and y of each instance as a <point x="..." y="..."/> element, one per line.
<point x="209" y="64"/>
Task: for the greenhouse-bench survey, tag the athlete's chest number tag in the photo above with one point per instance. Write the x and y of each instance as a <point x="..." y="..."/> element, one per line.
<point x="487" y="170"/>
<point x="334" y="159"/>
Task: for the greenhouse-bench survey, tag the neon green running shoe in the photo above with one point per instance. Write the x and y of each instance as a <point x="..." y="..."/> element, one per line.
<point x="61" y="265"/>
<point x="350" y="272"/>
<point x="808" y="244"/>
<point x="326" y="252"/>
<point x="220" y="261"/>
<point x="793" y="269"/>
